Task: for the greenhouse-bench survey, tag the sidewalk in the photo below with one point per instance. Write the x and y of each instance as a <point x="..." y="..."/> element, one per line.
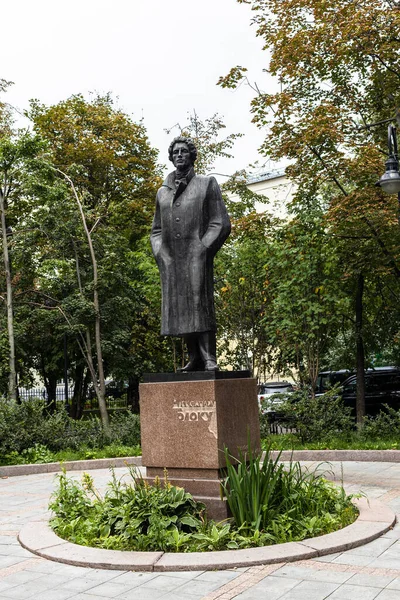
<point x="367" y="572"/>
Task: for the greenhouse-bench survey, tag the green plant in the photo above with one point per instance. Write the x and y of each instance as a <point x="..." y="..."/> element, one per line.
<point x="386" y="424"/>
<point x="249" y="486"/>
<point x="82" y="453"/>
<point x="317" y="417"/>
<point x="285" y="502"/>
<point x="25" y="425"/>
<point x="138" y="516"/>
<point x="37" y="454"/>
<point x="125" y="428"/>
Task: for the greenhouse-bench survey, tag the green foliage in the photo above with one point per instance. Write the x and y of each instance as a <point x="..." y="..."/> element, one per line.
<point x="285" y="503"/>
<point x="241" y="303"/>
<point x="27" y="426"/>
<point x="317" y="417"/>
<point x="162" y="517"/>
<point x="353" y="441"/>
<point x="38" y="454"/>
<point x="41" y="454"/>
<point x="305" y="301"/>
<point x="385" y="425"/>
<point x="336" y="65"/>
<point x="129" y="517"/>
<point x="109" y="159"/>
<point x="205" y="135"/>
<point x="125" y="428"/>
<point x="107" y="155"/>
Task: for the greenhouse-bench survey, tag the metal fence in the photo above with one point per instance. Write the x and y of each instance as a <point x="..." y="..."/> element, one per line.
<point x="278" y="426"/>
<point x="112" y="403"/>
<point x="90" y="403"/>
<point x="40" y="392"/>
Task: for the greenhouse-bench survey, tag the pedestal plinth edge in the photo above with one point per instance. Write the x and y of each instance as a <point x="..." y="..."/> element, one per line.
<point x="194" y="376"/>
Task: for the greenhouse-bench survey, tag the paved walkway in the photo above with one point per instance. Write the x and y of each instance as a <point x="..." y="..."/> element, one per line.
<point x="365" y="573"/>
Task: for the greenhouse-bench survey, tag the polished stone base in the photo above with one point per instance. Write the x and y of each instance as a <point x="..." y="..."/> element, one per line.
<point x="194" y="376"/>
<point x="186" y="425"/>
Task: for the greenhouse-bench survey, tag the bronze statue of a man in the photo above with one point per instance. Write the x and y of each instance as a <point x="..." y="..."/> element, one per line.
<point x="189" y="227"/>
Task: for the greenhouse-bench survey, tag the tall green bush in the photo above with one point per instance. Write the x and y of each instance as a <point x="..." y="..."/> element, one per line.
<point x="25" y="425"/>
<point x="386" y="424"/>
<point x="285" y="502"/>
<point x="319" y="417"/>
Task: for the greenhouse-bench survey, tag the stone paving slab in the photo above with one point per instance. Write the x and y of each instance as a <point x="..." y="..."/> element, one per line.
<point x="374" y="520"/>
<point x="25" y="499"/>
<point x="377" y="511"/>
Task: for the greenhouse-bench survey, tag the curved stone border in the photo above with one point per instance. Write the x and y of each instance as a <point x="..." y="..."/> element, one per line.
<point x="71" y="465"/>
<point x="374" y="520"/>
<point x="297" y="455"/>
<point x="340" y="455"/>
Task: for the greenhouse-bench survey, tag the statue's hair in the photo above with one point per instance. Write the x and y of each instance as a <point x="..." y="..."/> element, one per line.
<point x="183" y="140"/>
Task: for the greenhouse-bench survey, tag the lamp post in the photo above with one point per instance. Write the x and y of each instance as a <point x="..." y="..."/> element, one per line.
<point x="390" y="180"/>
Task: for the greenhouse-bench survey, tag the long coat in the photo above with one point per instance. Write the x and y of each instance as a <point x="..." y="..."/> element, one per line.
<point x="189" y="227"/>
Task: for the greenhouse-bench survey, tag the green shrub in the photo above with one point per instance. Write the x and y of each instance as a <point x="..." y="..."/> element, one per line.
<point x="264" y="424"/>
<point x="125" y="428"/>
<point x="20" y="425"/>
<point x="129" y="517"/>
<point x="25" y="425"/>
<point x="317" y="418"/>
<point x="37" y="454"/>
<point x="288" y="505"/>
<point x="386" y="424"/>
<point x="283" y="502"/>
<point x="60" y="432"/>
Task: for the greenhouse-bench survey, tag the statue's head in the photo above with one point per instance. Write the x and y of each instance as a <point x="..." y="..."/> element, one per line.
<point x="182" y="152"/>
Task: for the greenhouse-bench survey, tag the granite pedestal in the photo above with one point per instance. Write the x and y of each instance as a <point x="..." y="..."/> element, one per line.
<point x="186" y="422"/>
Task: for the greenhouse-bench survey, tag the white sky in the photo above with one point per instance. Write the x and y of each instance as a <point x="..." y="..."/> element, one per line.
<point x="161" y="58"/>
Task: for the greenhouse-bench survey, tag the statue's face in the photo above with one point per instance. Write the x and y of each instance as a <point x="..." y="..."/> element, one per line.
<point x="181" y="156"/>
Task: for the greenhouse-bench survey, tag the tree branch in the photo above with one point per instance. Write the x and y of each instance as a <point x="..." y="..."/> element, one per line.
<point x="385" y="65"/>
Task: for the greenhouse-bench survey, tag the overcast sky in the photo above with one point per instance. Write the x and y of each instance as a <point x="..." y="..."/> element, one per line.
<point x="161" y="58"/>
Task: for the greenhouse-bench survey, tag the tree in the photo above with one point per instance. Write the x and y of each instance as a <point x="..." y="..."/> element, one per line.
<point x="112" y="174"/>
<point x="241" y="302"/>
<point x="106" y="154"/>
<point x="206" y="136"/>
<point x="17" y="151"/>
<point x="306" y="303"/>
<point x="338" y="66"/>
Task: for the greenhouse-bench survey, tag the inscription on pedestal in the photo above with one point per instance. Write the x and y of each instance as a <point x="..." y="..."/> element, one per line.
<point x="193" y="411"/>
<point x="187" y="424"/>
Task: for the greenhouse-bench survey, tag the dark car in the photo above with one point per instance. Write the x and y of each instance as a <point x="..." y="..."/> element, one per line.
<point x="327" y="379"/>
<point x="382" y="386"/>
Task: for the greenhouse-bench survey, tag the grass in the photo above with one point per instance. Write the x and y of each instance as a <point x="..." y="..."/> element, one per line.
<point x="290" y="441"/>
<point x="40" y="454"/>
<point x="287" y="441"/>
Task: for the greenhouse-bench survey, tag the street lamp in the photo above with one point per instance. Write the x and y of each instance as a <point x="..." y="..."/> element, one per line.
<point x="390" y="180"/>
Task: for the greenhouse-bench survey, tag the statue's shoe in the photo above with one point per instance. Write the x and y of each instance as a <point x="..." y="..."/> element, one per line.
<point x="193" y="365"/>
<point x="211" y="365"/>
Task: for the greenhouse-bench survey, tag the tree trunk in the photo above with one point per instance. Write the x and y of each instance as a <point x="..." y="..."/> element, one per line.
<point x="50" y="383"/>
<point x="360" y="357"/>
<point x="133" y="395"/>
<point x="78" y="391"/>
<point x="12" y="388"/>
<point x="51" y="388"/>
<point x="98" y="381"/>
